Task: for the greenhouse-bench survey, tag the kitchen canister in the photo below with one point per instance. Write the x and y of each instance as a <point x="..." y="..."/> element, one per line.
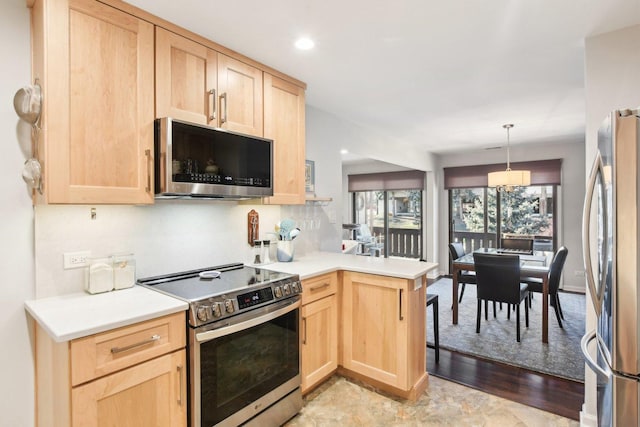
<point x="124" y="270"/>
<point x="99" y="275"/>
<point x="284" y="252"/>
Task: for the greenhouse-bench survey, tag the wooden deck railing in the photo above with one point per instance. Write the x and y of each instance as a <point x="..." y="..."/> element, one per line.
<point x="472" y="240"/>
<point x="402" y="242"/>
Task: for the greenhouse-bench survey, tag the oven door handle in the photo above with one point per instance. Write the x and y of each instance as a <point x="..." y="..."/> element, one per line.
<point x="230" y="329"/>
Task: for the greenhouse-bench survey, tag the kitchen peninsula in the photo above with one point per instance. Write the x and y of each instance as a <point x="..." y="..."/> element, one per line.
<point x="362" y="317"/>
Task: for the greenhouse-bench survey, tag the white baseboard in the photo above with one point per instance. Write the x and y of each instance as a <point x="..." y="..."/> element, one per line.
<point x="587" y="419"/>
<point x="576" y="289"/>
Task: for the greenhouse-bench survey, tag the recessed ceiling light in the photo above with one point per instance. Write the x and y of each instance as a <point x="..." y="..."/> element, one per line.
<point x="344" y="151"/>
<point x="304" y="43"/>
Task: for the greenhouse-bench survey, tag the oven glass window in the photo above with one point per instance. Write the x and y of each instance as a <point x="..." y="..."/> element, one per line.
<point x="237" y="369"/>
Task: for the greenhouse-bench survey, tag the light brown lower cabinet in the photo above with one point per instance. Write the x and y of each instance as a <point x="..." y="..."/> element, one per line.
<point x="130" y="376"/>
<point x="319" y="341"/>
<point x="150" y="394"/>
<point x="383" y="331"/>
<point x="319" y="329"/>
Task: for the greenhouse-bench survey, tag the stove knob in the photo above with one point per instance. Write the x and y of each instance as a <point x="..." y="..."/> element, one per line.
<point x="278" y="292"/>
<point x="216" y="310"/>
<point x="287" y="289"/>
<point x="228" y="305"/>
<point x="202" y="313"/>
<point x="294" y="287"/>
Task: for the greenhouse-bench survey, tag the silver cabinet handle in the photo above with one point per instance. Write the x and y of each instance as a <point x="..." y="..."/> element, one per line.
<point x="324" y="285"/>
<point x="180" y="375"/>
<point x="153" y="338"/>
<point x="212" y="96"/>
<point x="400" y="306"/>
<point x="596" y="294"/>
<point x="223" y="118"/>
<point x="147" y="154"/>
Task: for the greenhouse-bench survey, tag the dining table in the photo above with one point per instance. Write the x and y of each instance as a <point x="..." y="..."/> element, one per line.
<point x="532" y="265"/>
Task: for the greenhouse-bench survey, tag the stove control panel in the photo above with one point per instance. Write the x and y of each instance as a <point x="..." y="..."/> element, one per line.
<point x="222" y="306"/>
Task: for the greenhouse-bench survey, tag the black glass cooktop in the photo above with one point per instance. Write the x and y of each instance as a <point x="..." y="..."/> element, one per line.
<point x="189" y="286"/>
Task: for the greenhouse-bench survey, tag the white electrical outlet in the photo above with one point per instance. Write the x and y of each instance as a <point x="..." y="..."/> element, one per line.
<point x="76" y="259"/>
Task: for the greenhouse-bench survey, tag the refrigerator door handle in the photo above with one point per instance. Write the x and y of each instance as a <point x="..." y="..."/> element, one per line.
<point x="584" y="344"/>
<point x="596" y="294"/>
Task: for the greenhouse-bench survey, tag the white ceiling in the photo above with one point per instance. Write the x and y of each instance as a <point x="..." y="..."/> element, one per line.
<point x="441" y="75"/>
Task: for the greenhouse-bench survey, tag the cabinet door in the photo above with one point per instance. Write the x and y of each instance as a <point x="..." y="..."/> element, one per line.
<point x="185" y="79"/>
<point x="375" y="332"/>
<point x="319" y="340"/>
<point x="240" y="96"/>
<point x="98" y="94"/>
<point x="150" y="394"/>
<point x="284" y="122"/>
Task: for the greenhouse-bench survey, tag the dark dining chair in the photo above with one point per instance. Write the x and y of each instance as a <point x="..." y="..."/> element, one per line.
<point x="555" y="272"/>
<point x="456" y="250"/>
<point x="498" y="280"/>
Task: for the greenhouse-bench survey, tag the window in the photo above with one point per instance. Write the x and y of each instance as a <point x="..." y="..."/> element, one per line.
<point x="388" y="207"/>
<point x="480" y="215"/>
<point x="394" y="219"/>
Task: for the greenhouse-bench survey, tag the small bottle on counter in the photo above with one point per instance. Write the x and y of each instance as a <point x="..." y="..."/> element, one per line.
<point x="257" y="249"/>
<point x="266" y="247"/>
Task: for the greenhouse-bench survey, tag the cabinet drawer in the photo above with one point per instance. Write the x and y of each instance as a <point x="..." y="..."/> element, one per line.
<point x="106" y="352"/>
<point x="319" y="287"/>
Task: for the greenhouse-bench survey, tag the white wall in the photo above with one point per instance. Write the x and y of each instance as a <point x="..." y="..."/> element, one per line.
<point x="570" y="197"/>
<point x="16" y="227"/>
<point x="612" y="76"/>
<point x="327" y="134"/>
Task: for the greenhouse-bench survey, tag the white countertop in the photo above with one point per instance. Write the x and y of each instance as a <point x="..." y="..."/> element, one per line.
<point x="327" y="262"/>
<point x="76" y="315"/>
<point x="71" y="316"/>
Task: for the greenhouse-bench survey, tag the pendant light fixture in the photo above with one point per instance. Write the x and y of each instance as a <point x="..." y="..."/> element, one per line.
<point x="508" y="179"/>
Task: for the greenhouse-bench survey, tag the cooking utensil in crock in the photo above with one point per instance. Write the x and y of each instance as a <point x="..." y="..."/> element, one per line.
<point x="28" y="103"/>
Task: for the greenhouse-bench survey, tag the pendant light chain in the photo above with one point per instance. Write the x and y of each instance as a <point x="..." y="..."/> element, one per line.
<point x="507" y="127"/>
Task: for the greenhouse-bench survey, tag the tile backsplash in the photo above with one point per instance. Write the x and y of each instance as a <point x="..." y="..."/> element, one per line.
<point x="166" y="237"/>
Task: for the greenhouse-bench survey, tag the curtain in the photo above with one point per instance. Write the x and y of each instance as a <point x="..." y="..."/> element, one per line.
<point x="387" y="181"/>
<point x="543" y="172"/>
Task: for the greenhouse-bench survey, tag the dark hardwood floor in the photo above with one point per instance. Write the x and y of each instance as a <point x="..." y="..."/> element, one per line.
<point x="546" y="392"/>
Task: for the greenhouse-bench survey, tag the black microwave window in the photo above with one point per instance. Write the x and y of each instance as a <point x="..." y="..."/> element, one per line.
<point x="215" y="156"/>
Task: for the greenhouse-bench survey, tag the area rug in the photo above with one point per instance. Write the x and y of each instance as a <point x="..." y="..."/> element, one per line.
<point x="561" y="357"/>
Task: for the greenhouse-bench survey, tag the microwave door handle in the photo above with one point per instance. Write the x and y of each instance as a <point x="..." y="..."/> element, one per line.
<point x="597" y="169"/>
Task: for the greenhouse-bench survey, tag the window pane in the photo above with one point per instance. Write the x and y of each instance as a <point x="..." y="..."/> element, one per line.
<point x="405" y="223"/>
<point x="525" y="210"/>
<point x="369" y="212"/>
<point x="474" y="224"/>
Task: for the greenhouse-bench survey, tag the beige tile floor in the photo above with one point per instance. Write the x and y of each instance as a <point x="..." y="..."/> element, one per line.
<point x="340" y="402"/>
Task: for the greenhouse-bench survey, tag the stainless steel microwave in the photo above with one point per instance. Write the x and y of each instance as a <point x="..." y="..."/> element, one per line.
<point x="193" y="160"/>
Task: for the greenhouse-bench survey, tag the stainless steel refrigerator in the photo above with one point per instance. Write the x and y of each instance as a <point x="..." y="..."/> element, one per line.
<point x="612" y="203"/>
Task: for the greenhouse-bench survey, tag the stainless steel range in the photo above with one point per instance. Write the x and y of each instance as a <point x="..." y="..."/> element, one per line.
<point x="243" y="328"/>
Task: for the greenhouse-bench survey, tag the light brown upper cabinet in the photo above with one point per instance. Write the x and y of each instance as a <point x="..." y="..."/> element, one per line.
<point x="95" y="66"/>
<point x="240" y="96"/>
<point x="186" y="79"/>
<point x="199" y="85"/>
<point x="284" y="122"/>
